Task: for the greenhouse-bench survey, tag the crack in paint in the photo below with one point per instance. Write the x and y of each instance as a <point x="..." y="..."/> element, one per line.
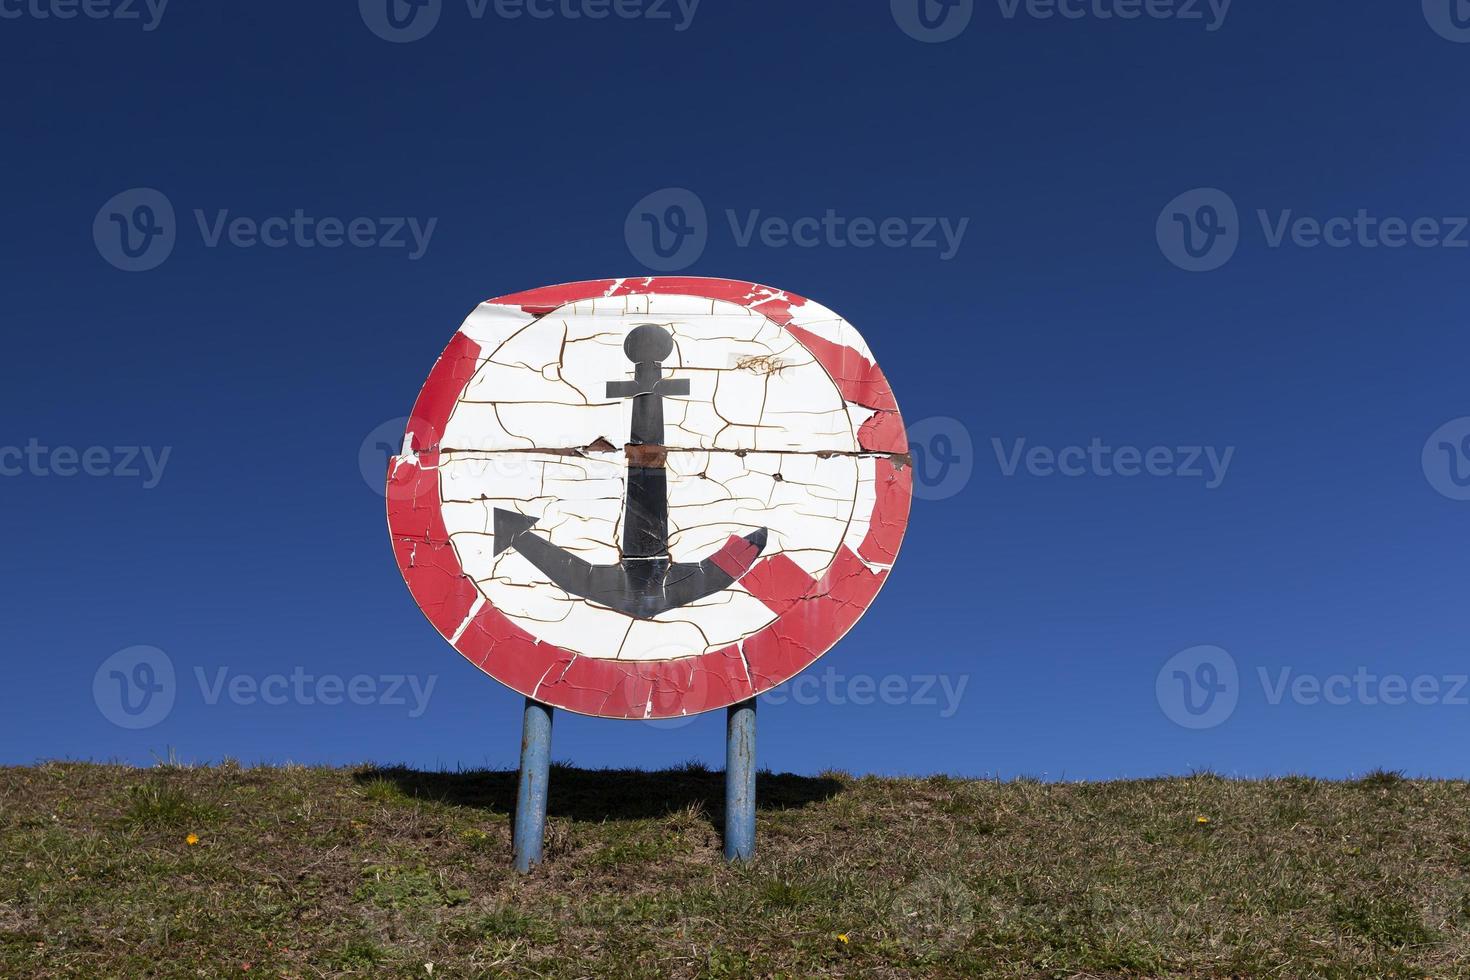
<point x="835" y="512"/>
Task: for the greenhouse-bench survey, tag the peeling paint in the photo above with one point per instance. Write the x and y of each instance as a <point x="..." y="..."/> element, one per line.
<point x="644" y="498"/>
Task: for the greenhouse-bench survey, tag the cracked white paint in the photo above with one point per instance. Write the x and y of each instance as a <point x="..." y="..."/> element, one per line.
<point x="742" y="455"/>
<point x="542" y="382"/>
<point x="578" y="501"/>
<point x="829" y="326"/>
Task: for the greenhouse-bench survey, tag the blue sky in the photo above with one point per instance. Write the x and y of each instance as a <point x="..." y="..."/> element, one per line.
<point x="1225" y="243"/>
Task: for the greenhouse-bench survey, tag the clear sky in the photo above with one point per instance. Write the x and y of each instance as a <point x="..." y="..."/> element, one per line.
<point x="1226" y="242"/>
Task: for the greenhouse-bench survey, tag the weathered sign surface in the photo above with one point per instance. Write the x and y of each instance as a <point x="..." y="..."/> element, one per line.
<point x="642" y="498"/>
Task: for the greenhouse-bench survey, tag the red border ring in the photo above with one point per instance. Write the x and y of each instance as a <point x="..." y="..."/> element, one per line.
<point x="812" y="614"/>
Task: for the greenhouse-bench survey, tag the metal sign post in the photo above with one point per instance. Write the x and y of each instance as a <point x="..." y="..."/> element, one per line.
<point x="649" y="498"/>
<point x="532" y="790"/>
<point x="740" y="782"/>
<point x="530" y="822"/>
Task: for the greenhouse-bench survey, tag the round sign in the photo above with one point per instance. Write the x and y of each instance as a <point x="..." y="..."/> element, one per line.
<point x="645" y="498"/>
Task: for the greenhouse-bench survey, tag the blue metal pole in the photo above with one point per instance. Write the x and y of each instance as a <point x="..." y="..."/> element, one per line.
<point x="530" y="825"/>
<point x="740" y="782"/>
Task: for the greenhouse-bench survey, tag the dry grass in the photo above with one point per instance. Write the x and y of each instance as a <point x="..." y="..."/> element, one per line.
<point x="319" y="872"/>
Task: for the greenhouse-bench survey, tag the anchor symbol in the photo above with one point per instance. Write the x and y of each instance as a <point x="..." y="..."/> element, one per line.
<point x="646" y="582"/>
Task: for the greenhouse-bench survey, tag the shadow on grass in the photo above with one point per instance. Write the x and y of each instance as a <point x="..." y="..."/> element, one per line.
<point x="606" y="794"/>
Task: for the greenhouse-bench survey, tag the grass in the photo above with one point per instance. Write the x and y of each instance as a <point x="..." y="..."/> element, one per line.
<point x="378" y="872"/>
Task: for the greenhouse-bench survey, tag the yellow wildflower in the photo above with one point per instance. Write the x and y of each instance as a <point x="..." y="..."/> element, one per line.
<point x="192" y="839"/>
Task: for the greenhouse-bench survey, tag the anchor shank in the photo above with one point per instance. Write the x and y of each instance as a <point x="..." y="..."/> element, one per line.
<point x="646" y="503"/>
<point x="646" y="513"/>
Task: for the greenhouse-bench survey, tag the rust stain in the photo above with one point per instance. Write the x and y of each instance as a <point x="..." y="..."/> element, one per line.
<point x="650" y="457"/>
<point x="760" y="364"/>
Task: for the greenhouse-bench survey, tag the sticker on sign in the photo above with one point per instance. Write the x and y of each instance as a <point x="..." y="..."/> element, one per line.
<point x="647" y="498"/>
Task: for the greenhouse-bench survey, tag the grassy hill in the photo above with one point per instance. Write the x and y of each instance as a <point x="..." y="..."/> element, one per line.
<point x="381" y="872"/>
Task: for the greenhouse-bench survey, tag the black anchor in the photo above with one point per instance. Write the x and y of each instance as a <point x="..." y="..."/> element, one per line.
<point x="645" y="583"/>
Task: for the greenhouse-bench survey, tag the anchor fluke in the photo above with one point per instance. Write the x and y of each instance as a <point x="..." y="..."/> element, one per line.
<point x="508" y="526"/>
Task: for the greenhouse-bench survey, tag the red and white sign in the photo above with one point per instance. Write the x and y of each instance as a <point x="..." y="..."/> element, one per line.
<point x="646" y="498"/>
